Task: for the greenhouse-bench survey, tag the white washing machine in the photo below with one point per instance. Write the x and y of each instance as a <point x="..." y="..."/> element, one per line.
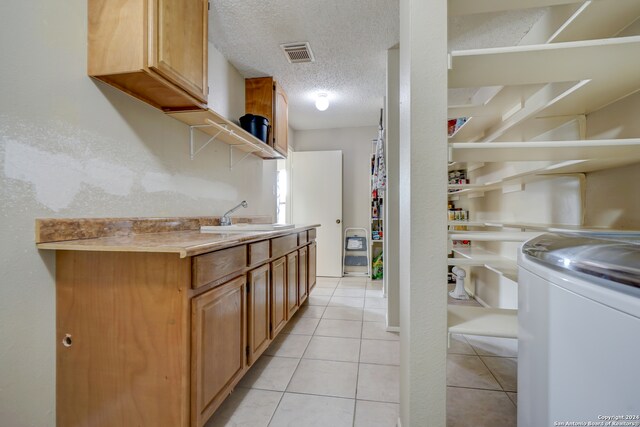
<point x="579" y="331"/>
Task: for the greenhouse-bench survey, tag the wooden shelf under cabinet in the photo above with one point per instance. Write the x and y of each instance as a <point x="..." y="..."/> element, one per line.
<point x="213" y="124"/>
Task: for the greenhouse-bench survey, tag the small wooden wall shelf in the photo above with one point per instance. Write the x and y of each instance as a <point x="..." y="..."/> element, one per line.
<point x="221" y="129"/>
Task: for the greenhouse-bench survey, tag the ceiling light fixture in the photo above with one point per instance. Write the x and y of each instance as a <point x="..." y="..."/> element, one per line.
<point x="322" y="101"/>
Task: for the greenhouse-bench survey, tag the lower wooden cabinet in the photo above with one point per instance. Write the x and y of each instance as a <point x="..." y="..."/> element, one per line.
<point x="278" y="295"/>
<point x="312" y="266"/>
<point x="292" y="283"/>
<point x="152" y="339"/>
<point x="259" y="312"/>
<point x="303" y="289"/>
<point x="218" y="340"/>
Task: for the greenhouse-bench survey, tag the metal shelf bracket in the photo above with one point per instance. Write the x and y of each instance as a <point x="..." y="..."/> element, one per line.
<point x="192" y="142"/>
<point x="231" y="163"/>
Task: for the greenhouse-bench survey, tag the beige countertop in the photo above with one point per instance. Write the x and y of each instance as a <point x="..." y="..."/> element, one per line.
<point x="185" y="243"/>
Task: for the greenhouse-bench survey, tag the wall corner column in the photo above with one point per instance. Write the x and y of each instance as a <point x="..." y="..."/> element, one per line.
<point x="423" y="235"/>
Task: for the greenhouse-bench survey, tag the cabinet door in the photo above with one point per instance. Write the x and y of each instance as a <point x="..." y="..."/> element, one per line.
<point x="178" y="43"/>
<point x="259" y="100"/>
<point x="303" y="290"/>
<point x="218" y="344"/>
<point x="278" y="296"/>
<point x="292" y="283"/>
<point x="259" y="313"/>
<point x="312" y="266"/>
<point x="281" y="125"/>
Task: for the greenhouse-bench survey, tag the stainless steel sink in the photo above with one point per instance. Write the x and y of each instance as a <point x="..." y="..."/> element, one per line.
<point x="244" y="228"/>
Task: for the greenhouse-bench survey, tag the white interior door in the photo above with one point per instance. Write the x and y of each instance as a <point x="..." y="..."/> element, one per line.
<point x="316" y="193"/>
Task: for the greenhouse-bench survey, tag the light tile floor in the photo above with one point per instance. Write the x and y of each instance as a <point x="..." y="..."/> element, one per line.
<point x="333" y="365"/>
<point x="336" y="365"/>
<point x="481" y="379"/>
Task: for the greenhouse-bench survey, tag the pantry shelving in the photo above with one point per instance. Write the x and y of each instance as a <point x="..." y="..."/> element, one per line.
<point x="524" y="65"/>
<point x="494" y="322"/>
<point x="597" y="19"/>
<point x="620" y="149"/>
<point x="550" y="171"/>
<point x="478" y="257"/>
<point x="376" y="221"/>
<point x="528" y="123"/>
<point x="550" y="228"/>
<point x="493" y="236"/>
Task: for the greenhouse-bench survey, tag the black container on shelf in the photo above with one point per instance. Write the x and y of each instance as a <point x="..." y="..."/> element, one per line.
<point x="257" y="126"/>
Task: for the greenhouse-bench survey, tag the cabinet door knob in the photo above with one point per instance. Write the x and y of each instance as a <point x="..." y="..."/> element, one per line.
<point x="337" y="221"/>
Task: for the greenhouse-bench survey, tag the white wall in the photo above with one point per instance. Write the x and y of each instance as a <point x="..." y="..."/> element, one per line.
<point x="226" y="86"/>
<point x="391" y="214"/>
<point x="422" y="202"/>
<point x="72" y="147"/>
<point x="356" y="146"/>
<point x="613" y="197"/>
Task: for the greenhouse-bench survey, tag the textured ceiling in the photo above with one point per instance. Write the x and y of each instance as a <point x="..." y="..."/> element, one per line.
<point x="349" y="39"/>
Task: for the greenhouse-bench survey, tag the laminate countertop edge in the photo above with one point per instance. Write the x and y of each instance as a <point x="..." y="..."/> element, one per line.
<point x="184" y="243"/>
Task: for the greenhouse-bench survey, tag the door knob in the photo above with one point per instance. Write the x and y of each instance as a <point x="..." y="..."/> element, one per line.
<point x="337" y="221"/>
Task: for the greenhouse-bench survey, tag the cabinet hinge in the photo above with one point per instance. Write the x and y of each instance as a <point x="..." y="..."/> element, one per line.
<point x="208" y="5"/>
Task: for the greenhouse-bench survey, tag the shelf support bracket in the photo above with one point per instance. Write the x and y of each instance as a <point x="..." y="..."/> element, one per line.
<point x="231" y="163"/>
<point x="192" y="142"/>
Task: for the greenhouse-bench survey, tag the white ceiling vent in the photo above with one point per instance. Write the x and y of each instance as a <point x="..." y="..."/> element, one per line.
<point x="298" y="52"/>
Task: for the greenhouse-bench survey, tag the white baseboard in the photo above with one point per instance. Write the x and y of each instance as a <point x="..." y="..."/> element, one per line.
<point x="391" y="328"/>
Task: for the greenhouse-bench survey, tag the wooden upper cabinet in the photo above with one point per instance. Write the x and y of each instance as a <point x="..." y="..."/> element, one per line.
<point x="155" y="50"/>
<point x="281" y="130"/>
<point x="265" y="97"/>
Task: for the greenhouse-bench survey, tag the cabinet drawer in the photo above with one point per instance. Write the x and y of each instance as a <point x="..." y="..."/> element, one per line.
<point x="302" y="238"/>
<point x="283" y="245"/>
<point x="218" y="264"/>
<point x="312" y="234"/>
<point x="258" y="252"/>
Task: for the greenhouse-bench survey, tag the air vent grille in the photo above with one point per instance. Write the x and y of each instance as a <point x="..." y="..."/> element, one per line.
<point x="298" y="52"/>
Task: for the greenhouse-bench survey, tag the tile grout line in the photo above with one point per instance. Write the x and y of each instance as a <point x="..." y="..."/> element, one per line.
<point x="289" y="382"/>
<point x="479" y="389"/>
<point x="298" y="364"/>
<point x="355" y="402"/>
<point x="485" y="365"/>
<point x="492" y="374"/>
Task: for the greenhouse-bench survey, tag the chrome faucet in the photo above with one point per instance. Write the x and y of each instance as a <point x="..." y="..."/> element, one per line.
<point x="225" y="220"/>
